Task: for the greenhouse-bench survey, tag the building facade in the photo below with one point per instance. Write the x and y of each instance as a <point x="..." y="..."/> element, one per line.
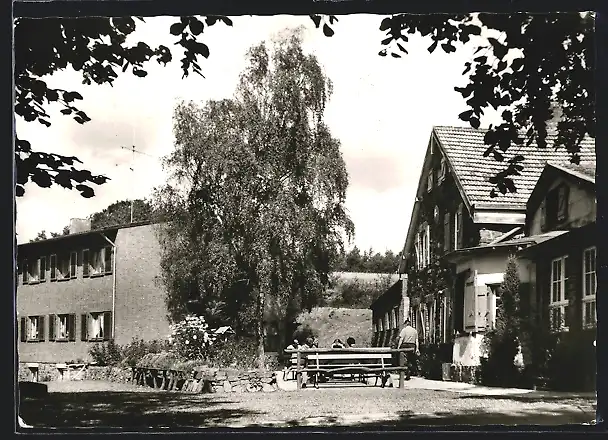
<point x="88" y="287"/>
<point x="564" y="268"/>
<point x="460" y="236"/>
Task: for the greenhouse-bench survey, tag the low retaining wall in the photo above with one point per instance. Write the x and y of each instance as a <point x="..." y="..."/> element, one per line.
<point x="201" y="380"/>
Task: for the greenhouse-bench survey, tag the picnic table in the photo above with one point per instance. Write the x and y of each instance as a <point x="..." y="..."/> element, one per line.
<point x="366" y="362"/>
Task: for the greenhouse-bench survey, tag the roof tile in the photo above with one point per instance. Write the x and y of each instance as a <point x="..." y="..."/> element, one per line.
<point x="465" y="146"/>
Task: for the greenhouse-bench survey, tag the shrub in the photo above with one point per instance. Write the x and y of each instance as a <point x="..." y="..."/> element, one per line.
<point x="572" y="365"/>
<point x="134" y="351"/>
<point x="303" y="332"/>
<point x="190" y="338"/>
<point x="106" y="354"/>
<point x="234" y="351"/>
<point x="502" y="342"/>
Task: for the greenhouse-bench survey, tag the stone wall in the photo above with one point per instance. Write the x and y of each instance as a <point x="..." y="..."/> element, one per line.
<point x="211" y="380"/>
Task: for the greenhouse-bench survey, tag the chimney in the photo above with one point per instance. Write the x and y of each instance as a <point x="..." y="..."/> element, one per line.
<point x="78" y="225"/>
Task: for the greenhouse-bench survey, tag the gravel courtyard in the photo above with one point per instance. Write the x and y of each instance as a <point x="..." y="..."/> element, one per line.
<point x="97" y="404"/>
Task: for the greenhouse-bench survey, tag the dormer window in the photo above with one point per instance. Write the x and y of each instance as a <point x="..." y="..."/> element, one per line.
<point x="442" y="170"/>
<point x="556" y="207"/>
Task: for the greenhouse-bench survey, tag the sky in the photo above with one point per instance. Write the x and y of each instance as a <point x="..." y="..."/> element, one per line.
<point x="382" y="110"/>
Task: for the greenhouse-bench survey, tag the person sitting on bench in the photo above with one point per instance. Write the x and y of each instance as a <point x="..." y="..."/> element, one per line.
<point x="337" y="344"/>
<point x="350" y="342"/>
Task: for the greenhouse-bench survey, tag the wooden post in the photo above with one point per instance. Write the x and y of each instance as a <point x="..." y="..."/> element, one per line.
<point x="298" y="372"/>
<point x="401" y="372"/>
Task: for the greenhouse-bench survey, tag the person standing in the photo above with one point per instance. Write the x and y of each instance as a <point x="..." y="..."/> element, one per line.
<point x="408" y="338"/>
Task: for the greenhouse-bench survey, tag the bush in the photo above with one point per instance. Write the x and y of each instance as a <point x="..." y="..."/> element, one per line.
<point x="137" y="349"/>
<point x="303" y="332"/>
<point x="106" y="354"/>
<point x="234" y="351"/>
<point x="572" y="365"/>
<point x="430" y="362"/>
<point x="190" y="338"/>
<point x="502" y="342"/>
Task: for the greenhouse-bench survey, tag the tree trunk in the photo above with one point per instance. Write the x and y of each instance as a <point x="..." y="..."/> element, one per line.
<point x="260" y="329"/>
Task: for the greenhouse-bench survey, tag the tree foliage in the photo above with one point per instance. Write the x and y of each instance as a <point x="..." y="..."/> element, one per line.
<point x="502" y="342"/>
<point x="95" y="47"/>
<point x="369" y="261"/>
<point x="255" y="201"/>
<point x="528" y="65"/>
<point x="119" y="213"/>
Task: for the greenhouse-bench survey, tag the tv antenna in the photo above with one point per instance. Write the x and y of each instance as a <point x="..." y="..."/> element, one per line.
<point x="133" y="150"/>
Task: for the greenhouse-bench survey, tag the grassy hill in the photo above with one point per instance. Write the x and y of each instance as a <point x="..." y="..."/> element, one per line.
<point x="331" y="323"/>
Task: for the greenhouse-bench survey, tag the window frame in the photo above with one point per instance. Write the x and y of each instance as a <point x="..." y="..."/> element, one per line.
<point x="589" y="298"/>
<point x="99" y="264"/>
<point x="40" y="333"/>
<point x="37" y="263"/>
<point x="430" y="180"/>
<point x="562" y="303"/>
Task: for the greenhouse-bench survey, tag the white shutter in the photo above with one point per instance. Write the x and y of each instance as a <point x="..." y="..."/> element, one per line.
<point x="470" y="298"/>
<point x="482" y="307"/>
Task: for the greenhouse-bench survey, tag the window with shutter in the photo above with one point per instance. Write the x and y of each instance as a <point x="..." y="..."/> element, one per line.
<point x="108" y="256"/>
<point x="41" y="328"/>
<point x="469" y="305"/>
<point x="458" y="233"/>
<point x="73" y="264"/>
<point x="562" y="204"/>
<point x="85" y="263"/>
<point x="446" y="232"/>
<point x="52" y="322"/>
<point x="107" y="326"/>
<point x="84" y="327"/>
<point x="72" y="327"/>
<point x="25" y="272"/>
<point x="42" y="269"/>
<point x="543" y="217"/>
<point x="429" y="182"/>
<point x="442" y="170"/>
<point x="482" y="307"/>
<point x="23" y="329"/>
<point x="53" y="264"/>
<point x="428" y="244"/>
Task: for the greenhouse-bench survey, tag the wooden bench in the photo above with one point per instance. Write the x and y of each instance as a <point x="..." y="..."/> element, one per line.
<point x="363" y="362"/>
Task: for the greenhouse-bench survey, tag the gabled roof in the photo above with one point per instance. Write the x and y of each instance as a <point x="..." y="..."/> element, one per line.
<point x="583" y="173"/>
<point x="582" y="170"/>
<point x="464" y="148"/>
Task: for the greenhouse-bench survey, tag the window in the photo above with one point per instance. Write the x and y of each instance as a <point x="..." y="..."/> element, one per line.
<point x="556" y="206"/>
<point x="96" y="326"/>
<point x="494" y="304"/>
<point x="429" y="181"/>
<point x="424" y="245"/>
<point x="442" y="170"/>
<point x="34" y="271"/>
<point x="62" y="327"/>
<point x="64" y="266"/>
<point x="97" y="262"/>
<point x="558" y="304"/>
<point x="589" y="287"/>
<point x="32" y="329"/>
